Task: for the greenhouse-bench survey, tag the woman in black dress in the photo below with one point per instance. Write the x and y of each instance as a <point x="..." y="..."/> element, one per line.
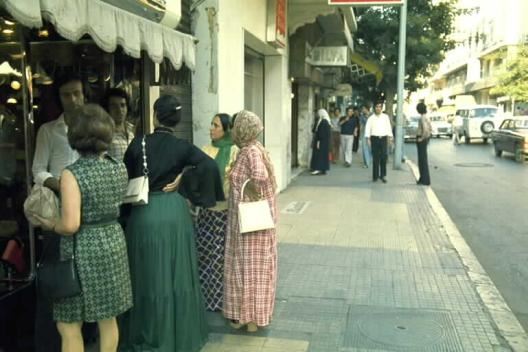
<point x="168" y="313"/>
<point x="320" y="163"/>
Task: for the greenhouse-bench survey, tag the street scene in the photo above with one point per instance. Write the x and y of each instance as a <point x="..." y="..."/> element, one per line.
<point x="263" y="176"/>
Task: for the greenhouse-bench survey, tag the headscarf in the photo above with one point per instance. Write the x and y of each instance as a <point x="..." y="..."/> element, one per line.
<point x="323" y="115"/>
<point x="223" y="156"/>
<point x="168" y="110"/>
<point x="246" y="129"/>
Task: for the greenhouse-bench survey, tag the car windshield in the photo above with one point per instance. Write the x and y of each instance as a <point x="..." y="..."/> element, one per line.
<point x="483" y="112"/>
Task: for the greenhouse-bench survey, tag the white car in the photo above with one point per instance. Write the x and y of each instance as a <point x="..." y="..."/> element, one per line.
<point x="439" y="126"/>
<point x="478" y="121"/>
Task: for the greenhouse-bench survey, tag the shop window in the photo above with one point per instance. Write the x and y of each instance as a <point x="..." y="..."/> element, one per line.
<point x="254" y="83"/>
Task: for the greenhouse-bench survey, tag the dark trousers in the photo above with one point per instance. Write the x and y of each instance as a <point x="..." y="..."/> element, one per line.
<point x="379" y="156"/>
<point x="423" y="164"/>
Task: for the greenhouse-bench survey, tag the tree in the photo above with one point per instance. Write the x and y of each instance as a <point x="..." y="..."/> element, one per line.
<point x="428" y="28"/>
<point x="513" y="80"/>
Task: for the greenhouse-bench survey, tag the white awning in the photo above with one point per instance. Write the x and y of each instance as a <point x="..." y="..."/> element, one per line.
<point x="108" y="26"/>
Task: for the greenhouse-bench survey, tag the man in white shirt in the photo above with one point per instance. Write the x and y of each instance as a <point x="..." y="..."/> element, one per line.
<point x="378" y="132"/>
<point x="53" y="152"/>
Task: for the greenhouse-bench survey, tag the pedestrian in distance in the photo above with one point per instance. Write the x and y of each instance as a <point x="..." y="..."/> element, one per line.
<point x="92" y="190"/>
<point x="365" y="149"/>
<point x="211" y="223"/>
<point x="320" y="162"/>
<point x="349" y="130"/>
<point x="355" y="116"/>
<point x="378" y="132"/>
<point x="169" y="312"/>
<point x="423" y="134"/>
<point x="117" y="103"/>
<point x="336" y="135"/>
<point x="251" y="258"/>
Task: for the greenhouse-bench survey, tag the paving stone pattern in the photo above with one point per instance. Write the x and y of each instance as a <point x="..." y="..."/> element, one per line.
<point x="366" y="267"/>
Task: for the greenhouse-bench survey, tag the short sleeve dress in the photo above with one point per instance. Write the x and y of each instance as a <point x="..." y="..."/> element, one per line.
<point x="101" y="254"/>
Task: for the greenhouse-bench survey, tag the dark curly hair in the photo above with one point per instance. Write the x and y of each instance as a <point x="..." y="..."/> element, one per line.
<point x="91" y="131"/>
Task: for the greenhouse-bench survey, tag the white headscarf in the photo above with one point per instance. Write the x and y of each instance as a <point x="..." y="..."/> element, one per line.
<point x="323" y="115"/>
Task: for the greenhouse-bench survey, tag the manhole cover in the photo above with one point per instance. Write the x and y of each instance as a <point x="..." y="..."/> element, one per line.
<point x="474" y="165"/>
<point x="295" y="208"/>
<point x="399" y="329"/>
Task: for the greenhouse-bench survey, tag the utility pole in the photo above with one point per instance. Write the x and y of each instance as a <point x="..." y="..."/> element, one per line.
<point x="398" y="139"/>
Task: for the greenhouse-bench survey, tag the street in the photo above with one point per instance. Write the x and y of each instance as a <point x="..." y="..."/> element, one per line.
<point x="486" y="198"/>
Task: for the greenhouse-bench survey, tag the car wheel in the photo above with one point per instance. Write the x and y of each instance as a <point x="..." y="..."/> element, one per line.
<point x="449" y="136"/>
<point x="498" y="152"/>
<point x="487" y="127"/>
<point x="519" y="157"/>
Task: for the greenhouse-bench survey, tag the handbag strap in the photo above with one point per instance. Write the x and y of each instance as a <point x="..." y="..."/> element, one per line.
<point x="144" y="149"/>
<point x="244" y="187"/>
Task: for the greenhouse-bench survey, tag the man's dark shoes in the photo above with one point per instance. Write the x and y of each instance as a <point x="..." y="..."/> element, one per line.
<point x="374" y="180"/>
<point x="383" y="180"/>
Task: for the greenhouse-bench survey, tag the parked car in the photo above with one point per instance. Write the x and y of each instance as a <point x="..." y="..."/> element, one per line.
<point x="478" y="121"/>
<point x="410" y="128"/>
<point x="440" y="126"/>
<point x="512" y="137"/>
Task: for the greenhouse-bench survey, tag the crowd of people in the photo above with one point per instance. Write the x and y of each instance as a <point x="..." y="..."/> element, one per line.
<point x="149" y="272"/>
<point x="340" y="137"/>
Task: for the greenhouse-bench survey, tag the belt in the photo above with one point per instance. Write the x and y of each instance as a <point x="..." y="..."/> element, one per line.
<point x="99" y="223"/>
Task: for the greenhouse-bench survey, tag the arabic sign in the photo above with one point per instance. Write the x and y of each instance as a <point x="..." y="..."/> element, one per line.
<point x="329" y="56"/>
<point x="276" y="29"/>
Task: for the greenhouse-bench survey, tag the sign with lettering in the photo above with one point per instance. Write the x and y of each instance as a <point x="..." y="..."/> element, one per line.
<point x="365" y="2"/>
<point x="276" y="31"/>
<point x="329" y="56"/>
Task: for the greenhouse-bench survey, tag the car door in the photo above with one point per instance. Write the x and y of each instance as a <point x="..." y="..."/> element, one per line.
<point x="500" y="135"/>
<point x="509" y="137"/>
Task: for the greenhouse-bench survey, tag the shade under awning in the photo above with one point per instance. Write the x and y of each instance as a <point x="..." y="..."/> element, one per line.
<point x="108" y="26"/>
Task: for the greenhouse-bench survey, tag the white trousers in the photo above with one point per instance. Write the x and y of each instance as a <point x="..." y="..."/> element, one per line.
<point x="347" y="142"/>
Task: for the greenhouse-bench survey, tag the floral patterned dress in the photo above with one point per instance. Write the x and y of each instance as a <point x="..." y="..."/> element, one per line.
<point x="100" y="252"/>
<point x="250" y="272"/>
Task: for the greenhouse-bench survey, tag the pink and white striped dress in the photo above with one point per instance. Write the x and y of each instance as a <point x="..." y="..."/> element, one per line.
<point x="250" y="269"/>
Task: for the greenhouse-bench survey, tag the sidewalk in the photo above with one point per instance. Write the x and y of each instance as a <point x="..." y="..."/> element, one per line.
<point x="371" y="267"/>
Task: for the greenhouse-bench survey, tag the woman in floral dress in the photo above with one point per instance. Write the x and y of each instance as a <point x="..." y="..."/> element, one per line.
<point x="250" y="273"/>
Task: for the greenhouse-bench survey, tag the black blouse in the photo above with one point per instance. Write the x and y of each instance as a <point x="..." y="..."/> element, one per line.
<point x="167" y="155"/>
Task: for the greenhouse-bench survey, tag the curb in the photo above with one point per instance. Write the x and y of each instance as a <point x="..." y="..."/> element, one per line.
<point x="504" y="319"/>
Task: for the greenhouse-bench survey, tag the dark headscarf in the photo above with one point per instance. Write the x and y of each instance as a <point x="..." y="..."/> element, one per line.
<point x="168" y="110"/>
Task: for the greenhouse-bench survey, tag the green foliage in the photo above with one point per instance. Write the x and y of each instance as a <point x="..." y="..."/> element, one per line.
<point x="428" y="28"/>
<point x="513" y="81"/>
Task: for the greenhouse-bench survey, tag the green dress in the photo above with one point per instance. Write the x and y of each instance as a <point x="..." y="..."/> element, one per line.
<point x="101" y="254"/>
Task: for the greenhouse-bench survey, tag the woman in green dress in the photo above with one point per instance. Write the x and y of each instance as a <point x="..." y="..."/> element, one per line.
<point x="91" y="190"/>
<point x="168" y="313"/>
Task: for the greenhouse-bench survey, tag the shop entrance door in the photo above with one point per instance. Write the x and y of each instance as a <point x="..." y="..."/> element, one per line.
<point x="254" y="85"/>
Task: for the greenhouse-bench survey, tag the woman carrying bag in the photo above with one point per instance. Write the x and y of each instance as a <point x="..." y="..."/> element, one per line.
<point x="250" y="274"/>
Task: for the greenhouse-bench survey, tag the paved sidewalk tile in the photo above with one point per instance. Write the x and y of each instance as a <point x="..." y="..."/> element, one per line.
<point x="365" y="267"/>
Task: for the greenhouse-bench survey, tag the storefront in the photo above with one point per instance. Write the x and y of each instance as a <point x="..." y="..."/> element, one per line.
<point x="107" y="47"/>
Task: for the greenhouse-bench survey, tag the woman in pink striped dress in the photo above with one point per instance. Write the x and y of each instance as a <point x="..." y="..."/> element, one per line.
<point x="250" y="269"/>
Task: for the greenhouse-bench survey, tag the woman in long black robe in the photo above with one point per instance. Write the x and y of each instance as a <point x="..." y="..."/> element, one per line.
<point x="320" y="163"/>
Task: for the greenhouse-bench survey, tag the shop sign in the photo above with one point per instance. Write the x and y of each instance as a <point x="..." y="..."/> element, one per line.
<point x="329" y="56"/>
<point x="165" y="12"/>
<point x="276" y="26"/>
<point x="365" y="2"/>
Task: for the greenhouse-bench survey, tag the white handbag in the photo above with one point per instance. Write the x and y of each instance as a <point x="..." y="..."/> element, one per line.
<point x="254" y="216"/>
<point x="42" y="202"/>
<point x="138" y="187"/>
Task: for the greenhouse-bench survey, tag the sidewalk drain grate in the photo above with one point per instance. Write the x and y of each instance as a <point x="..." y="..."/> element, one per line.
<point x="295" y="208"/>
<point x="474" y="165"/>
<point x="400" y="329"/>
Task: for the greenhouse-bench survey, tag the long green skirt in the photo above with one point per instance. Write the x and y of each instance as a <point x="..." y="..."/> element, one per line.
<point x="168" y="313"/>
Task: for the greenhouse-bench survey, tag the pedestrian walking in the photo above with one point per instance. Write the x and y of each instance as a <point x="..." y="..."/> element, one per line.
<point x="211" y="223"/>
<point x="320" y="163"/>
<point x="92" y="190"/>
<point x="349" y="129"/>
<point x="250" y="258"/>
<point x="355" y="116"/>
<point x="169" y="312"/>
<point x="378" y="132"/>
<point x="423" y="134"/>
<point x="336" y="135"/>
<point x="365" y="149"/>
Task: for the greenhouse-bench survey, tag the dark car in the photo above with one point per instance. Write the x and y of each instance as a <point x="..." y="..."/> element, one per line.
<point x="512" y="137"/>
